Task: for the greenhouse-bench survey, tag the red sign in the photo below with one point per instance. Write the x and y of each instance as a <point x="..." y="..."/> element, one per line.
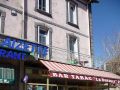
<point x="84" y="77"/>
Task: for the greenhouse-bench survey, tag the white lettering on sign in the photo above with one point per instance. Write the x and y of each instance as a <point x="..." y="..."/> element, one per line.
<point x="73" y="76"/>
<point x="55" y="74"/>
<point x="65" y="75"/>
<point x="84" y="77"/>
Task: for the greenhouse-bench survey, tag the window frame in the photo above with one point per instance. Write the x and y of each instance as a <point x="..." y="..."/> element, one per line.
<point x="68" y="48"/>
<point x="49" y="29"/>
<point x="68" y="2"/>
<point x="44" y="12"/>
<point x="46" y="30"/>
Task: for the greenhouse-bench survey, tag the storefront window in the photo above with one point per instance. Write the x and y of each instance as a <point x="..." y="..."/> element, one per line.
<point x="6" y="75"/>
<point x="56" y="88"/>
<point x="53" y="88"/>
<point x="72" y="88"/>
<point x="36" y="87"/>
<point x="61" y="88"/>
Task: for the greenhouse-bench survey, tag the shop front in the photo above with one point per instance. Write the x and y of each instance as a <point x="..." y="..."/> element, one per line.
<point x="21" y="70"/>
<point x="13" y="54"/>
<point x="50" y="75"/>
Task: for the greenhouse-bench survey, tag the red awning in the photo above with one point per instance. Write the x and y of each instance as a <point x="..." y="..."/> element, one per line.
<point x="63" y="70"/>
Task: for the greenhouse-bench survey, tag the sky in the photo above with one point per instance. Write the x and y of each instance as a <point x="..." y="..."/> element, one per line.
<point x="106" y="20"/>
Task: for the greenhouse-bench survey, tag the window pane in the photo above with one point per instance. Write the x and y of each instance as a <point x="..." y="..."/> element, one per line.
<point x="36" y="87"/>
<point x="42" y="5"/>
<point x="52" y="88"/>
<point x="6" y="76"/>
<point x="61" y="88"/>
<point x="72" y="10"/>
<point x="42" y="37"/>
<point x="1" y="75"/>
<point x="72" y="88"/>
<point x="12" y="74"/>
<point x="72" y="43"/>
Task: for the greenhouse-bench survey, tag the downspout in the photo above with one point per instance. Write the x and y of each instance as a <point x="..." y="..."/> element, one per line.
<point x="24" y="19"/>
<point x="23" y="16"/>
<point x="91" y="29"/>
<point x="91" y="32"/>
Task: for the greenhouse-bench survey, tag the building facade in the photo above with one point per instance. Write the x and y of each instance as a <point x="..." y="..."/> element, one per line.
<point x="62" y="25"/>
<point x="45" y="43"/>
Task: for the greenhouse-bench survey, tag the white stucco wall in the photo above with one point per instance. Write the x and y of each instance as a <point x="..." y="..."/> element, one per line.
<point x="13" y="26"/>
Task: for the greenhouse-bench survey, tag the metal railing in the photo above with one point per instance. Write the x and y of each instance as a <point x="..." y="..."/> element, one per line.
<point x="61" y="54"/>
<point x="66" y="56"/>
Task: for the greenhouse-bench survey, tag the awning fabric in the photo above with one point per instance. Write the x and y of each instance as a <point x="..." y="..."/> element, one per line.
<point x="62" y="70"/>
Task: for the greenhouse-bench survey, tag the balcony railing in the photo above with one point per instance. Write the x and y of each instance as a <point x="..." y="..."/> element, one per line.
<point x="65" y="56"/>
<point x="58" y="54"/>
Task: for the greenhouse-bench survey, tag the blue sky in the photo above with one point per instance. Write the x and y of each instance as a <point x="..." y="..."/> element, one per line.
<point x="106" y="20"/>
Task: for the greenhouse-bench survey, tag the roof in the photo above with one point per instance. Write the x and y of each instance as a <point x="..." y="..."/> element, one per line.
<point x="62" y="68"/>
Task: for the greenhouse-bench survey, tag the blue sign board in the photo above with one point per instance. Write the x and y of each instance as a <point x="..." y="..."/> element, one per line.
<point x="20" y="45"/>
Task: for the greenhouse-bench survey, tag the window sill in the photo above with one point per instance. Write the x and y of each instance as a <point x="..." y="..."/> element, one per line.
<point x="44" y="13"/>
<point x="72" y="24"/>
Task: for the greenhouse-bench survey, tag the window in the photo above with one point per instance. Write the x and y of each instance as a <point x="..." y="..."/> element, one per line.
<point x="43" y="5"/>
<point x="44" y="37"/>
<point x="6" y="75"/>
<point x="72" y="88"/>
<point x="36" y="87"/>
<point x="73" y="55"/>
<point x="72" y="13"/>
<point x="2" y="21"/>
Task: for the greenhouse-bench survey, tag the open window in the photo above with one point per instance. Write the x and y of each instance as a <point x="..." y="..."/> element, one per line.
<point x="44" y="37"/>
<point x="43" y="6"/>
<point x="72" y="13"/>
<point x="73" y="55"/>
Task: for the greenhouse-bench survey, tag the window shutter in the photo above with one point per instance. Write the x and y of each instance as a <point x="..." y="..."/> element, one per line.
<point x="76" y="48"/>
<point x="36" y="4"/>
<point x="3" y="15"/>
<point x="36" y="33"/>
<point x="50" y="43"/>
<point x="68" y="10"/>
<point x="68" y="47"/>
<point x="47" y="38"/>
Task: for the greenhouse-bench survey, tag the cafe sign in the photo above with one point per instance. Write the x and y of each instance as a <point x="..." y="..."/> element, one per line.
<point x="18" y="49"/>
<point x="84" y="77"/>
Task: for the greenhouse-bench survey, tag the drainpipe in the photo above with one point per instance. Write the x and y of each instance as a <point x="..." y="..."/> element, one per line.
<point x="23" y="16"/>
<point x="90" y="28"/>
<point x="91" y="32"/>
